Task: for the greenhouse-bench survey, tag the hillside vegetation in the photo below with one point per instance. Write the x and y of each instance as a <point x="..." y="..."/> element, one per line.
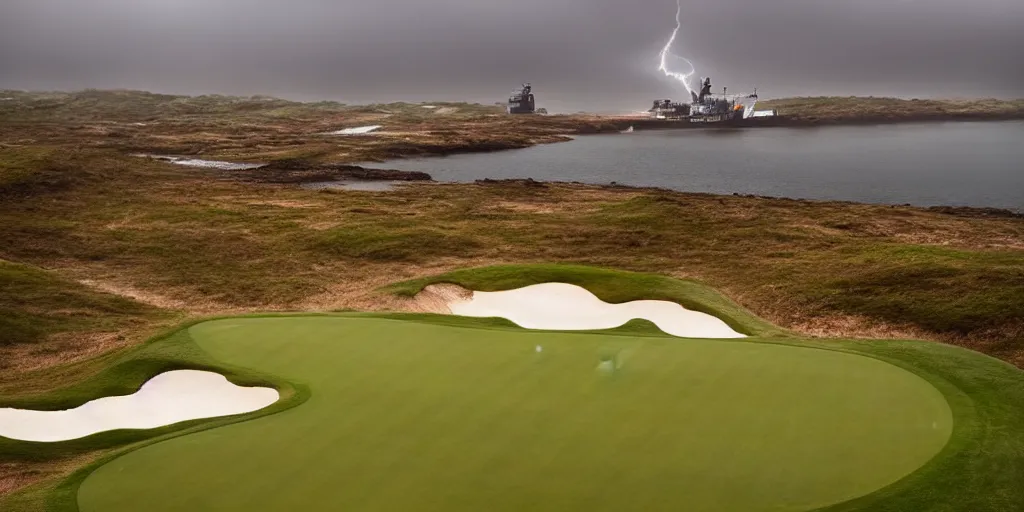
<point x="849" y="109"/>
<point x="201" y="241"/>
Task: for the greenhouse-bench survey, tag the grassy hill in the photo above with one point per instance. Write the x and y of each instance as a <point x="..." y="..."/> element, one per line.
<point x="852" y="108"/>
<point x="142" y="106"/>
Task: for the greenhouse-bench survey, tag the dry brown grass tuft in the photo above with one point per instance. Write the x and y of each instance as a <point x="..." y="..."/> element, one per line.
<point x="59" y="349"/>
<point x="17" y="475"/>
<point x="146" y="297"/>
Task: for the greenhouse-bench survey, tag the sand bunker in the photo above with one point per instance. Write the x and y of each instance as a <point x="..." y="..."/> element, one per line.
<point x="561" y="306"/>
<point x="359" y="130"/>
<point x="166" y="399"/>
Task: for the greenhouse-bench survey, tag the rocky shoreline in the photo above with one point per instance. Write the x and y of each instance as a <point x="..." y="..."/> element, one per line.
<point x="299" y="172"/>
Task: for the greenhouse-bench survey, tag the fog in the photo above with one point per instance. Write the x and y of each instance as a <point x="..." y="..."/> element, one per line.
<point x="598" y="55"/>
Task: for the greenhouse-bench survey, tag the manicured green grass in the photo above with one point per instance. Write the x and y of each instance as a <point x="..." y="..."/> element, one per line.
<point x="409" y="416"/>
<point x="425" y="412"/>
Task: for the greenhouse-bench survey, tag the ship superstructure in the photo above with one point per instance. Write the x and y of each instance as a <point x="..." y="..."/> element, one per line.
<point x="667" y="109"/>
<point x="522" y="101"/>
<point x="707" y="107"/>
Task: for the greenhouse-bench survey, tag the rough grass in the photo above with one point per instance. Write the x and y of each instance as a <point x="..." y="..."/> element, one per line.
<point x="35" y="170"/>
<point x="35" y="304"/>
<point x="202" y="239"/>
<point x="395" y="244"/>
<point x="265" y="129"/>
<point x="911" y="282"/>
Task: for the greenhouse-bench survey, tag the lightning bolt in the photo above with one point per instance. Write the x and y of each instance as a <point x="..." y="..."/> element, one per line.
<point x="667" y="50"/>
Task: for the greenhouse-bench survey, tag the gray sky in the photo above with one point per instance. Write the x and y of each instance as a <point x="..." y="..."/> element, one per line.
<point x="576" y="52"/>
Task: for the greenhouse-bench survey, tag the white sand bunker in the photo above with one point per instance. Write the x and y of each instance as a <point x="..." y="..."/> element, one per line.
<point x="166" y="399"/>
<point x="359" y="130"/>
<point x="561" y="306"/>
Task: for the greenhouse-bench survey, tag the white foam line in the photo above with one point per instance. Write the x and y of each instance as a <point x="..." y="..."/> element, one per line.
<point x="359" y="130"/>
<point x="561" y="306"/>
<point x="214" y="164"/>
<point x="166" y="399"/>
<point x="198" y="162"/>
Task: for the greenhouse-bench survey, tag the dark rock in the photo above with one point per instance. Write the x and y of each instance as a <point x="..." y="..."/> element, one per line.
<point x="526" y="182"/>
<point x="970" y="211"/>
<point x="298" y="171"/>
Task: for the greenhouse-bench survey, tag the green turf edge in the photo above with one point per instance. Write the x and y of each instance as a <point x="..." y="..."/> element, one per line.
<point x="971" y="383"/>
<point x="613" y="286"/>
<point x="636" y="327"/>
<point x="63" y="498"/>
<point x="981" y="467"/>
<point x="173" y="350"/>
<point x="965" y="421"/>
<point x="128" y="370"/>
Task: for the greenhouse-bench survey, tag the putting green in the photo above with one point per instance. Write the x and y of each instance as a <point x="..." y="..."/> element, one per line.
<point x="408" y="415"/>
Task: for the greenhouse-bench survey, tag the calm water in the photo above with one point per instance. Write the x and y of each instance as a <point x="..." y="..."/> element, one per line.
<point x="973" y="164"/>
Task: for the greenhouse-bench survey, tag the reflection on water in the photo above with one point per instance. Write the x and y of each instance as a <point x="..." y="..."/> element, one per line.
<point x="964" y="163"/>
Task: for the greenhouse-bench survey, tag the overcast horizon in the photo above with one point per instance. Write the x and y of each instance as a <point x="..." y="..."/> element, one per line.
<point x="596" y="55"/>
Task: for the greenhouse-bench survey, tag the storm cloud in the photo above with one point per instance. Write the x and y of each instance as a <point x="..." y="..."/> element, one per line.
<point x="579" y="54"/>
